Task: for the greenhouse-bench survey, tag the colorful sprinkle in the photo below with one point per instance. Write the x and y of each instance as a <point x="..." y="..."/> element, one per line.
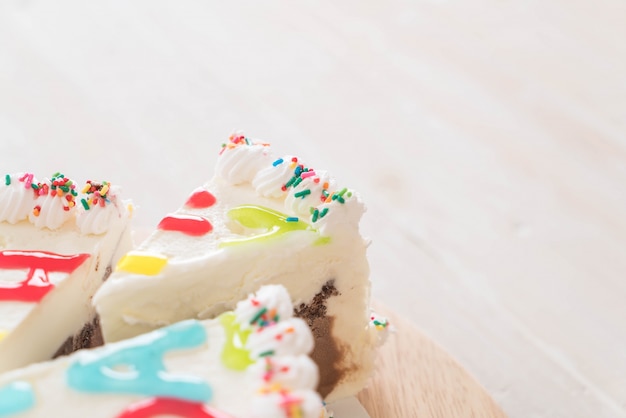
<point x="98" y="194"/>
<point x="237" y="140"/>
<point x="278" y="162"/>
<point x="379" y="323"/>
<point x="7" y="179"/>
<point x="308" y="174"/>
<point x="302" y="193"/>
<point x="290" y="182"/>
<point x="27" y="178"/>
<point x="258" y="315"/>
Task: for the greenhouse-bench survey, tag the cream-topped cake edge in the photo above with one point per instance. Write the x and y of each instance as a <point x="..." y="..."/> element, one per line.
<point x="58" y="242"/>
<point x="262" y="219"/>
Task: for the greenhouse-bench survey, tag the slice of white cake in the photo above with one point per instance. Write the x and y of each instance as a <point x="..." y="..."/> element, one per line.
<point x="250" y="363"/>
<point x="261" y="219"/>
<point x="58" y="243"/>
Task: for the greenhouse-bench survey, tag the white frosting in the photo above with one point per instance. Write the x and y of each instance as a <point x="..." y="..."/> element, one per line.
<point x="16" y="199"/>
<point x="285" y="338"/>
<point x="292" y="372"/>
<point x="271" y="298"/>
<point x="52" y="213"/>
<point x="98" y="218"/>
<point x="269" y="180"/>
<point x="272" y="405"/>
<point x="340" y="215"/>
<point x="240" y="164"/>
<point x="315" y="184"/>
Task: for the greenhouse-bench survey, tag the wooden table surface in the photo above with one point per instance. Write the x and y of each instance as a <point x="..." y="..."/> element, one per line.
<point x="487" y="138"/>
<point x="416" y="378"/>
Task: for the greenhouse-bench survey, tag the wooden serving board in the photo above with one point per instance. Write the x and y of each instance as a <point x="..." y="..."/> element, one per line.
<point x="416" y="378"/>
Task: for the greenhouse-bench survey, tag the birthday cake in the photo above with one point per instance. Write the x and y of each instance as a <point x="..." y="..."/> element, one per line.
<point x="250" y="363"/>
<point x="58" y="244"/>
<point x="260" y="220"/>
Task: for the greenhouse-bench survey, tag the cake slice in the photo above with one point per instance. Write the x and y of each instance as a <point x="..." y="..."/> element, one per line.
<point x="261" y="219"/>
<point x="58" y="244"/>
<point x="250" y="363"/>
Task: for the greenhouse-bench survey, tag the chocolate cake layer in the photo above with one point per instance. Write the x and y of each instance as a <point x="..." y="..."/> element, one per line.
<point x="88" y="337"/>
<point x="327" y="354"/>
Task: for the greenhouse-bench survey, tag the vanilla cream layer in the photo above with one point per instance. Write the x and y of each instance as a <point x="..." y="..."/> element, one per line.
<point x="202" y="278"/>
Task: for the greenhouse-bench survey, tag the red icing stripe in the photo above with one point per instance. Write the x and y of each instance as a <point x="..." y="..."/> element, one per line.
<point x="200" y="199"/>
<point x="161" y="406"/>
<point x="187" y="224"/>
<point x="39" y="264"/>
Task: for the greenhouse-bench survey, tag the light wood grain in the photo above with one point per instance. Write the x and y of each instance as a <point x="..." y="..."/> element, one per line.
<point x="417" y="378"/>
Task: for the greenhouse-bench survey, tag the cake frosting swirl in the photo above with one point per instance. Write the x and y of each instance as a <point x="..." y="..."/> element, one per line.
<point x="241" y="159"/>
<point x="100" y="206"/>
<point x="17" y="197"/>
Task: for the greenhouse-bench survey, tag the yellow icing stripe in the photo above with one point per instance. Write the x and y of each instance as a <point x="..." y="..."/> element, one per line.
<point x="3" y="334"/>
<point x="142" y="263"/>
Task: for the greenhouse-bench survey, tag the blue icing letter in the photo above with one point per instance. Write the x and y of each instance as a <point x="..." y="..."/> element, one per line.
<point x="136" y="366"/>
<point x="16" y="397"/>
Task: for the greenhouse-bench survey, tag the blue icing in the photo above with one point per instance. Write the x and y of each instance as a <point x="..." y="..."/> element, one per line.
<point x="16" y="397"/>
<point x="136" y="366"/>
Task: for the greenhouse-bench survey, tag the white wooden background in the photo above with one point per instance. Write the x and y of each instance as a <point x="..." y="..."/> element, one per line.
<point x="488" y="138"/>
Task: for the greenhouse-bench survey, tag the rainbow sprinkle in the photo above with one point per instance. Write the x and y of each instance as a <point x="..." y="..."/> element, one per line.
<point x="98" y="194"/>
<point x="27" y="179"/>
<point x="59" y="186"/>
<point x="379" y="323"/>
<point x="237" y="140"/>
<point x="264" y="318"/>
